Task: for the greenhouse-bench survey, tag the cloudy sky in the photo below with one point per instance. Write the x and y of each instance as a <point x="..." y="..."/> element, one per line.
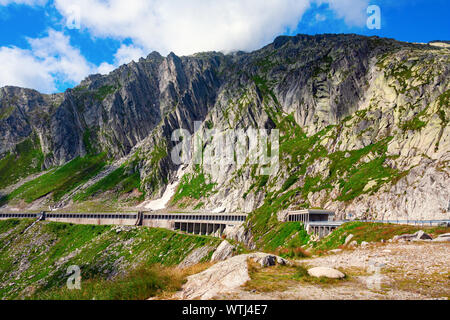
<point x="50" y="45"/>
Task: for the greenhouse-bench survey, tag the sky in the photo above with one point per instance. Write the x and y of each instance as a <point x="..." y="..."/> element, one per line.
<point x="51" y="45"/>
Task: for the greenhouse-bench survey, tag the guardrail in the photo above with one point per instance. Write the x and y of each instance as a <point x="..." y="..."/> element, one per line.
<point x="408" y="222"/>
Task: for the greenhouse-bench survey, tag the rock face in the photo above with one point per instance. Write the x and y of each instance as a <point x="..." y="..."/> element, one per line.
<point x="223" y="251"/>
<point x="195" y="257"/>
<point x="326" y="272"/>
<point x="364" y="125"/>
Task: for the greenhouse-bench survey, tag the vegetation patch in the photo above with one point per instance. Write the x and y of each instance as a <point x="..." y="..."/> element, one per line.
<point x="140" y="284"/>
<point x="413" y="124"/>
<point x="370" y="232"/>
<point x="26" y="159"/>
<point x="121" y="181"/>
<point x="103" y="92"/>
<point x="281" y="278"/>
<point x="194" y="186"/>
<point x="103" y="253"/>
<point x="61" y="180"/>
<point x="6" y="112"/>
<point x="287" y="235"/>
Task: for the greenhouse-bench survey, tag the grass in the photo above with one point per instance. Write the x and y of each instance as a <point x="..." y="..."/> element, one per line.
<point x="121" y="181"/>
<point x="140" y="284"/>
<point x="6" y="112"/>
<point x="87" y="142"/>
<point x="105" y="255"/>
<point x="280" y="278"/>
<point x="103" y="92"/>
<point x="370" y="232"/>
<point x="26" y="159"/>
<point x="287" y="235"/>
<point x="193" y="186"/>
<point x="59" y="181"/>
<point x="414" y="124"/>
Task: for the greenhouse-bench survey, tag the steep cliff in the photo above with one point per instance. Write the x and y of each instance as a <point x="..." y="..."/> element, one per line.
<point x="363" y="130"/>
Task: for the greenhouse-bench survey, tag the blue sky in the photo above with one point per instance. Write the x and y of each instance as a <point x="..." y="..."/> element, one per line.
<point x="50" y="45"/>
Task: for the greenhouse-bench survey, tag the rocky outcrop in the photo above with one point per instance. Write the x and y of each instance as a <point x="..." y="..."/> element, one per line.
<point x="224" y="277"/>
<point x="223" y="251"/>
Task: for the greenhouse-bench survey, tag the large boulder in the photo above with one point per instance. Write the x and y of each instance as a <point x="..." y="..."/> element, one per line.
<point x="326" y="272"/>
<point x="419" y="235"/>
<point x="223" y="251"/>
<point x="224" y="276"/>
<point x="267" y="260"/>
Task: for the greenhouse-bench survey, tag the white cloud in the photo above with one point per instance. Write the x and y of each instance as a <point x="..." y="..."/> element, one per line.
<point x="186" y="27"/>
<point x="50" y="60"/>
<point x="21" y="68"/>
<point x="353" y="12"/>
<point x="127" y="53"/>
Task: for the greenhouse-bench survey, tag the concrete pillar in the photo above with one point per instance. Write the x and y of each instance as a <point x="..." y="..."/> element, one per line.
<point x="196" y="228"/>
<point x="203" y="228"/>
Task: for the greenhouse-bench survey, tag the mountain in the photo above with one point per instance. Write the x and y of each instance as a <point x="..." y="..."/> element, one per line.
<point x="363" y="122"/>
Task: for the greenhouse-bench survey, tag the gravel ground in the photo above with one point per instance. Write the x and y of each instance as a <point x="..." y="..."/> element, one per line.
<point x="413" y="270"/>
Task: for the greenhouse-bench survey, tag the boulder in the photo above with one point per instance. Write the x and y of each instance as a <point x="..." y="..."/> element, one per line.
<point x="348" y="239"/>
<point x="266" y="261"/>
<point x="421" y="235"/>
<point x="223" y="251"/>
<point x="331" y="273"/>
<point x="336" y="250"/>
<point x="224" y="277"/>
<point x="364" y="244"/>
<point x="353" y="244"/>
<point x="404" y="237"/>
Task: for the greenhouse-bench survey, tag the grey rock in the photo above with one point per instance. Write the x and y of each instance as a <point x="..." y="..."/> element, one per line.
<point x="364" y="244"/>
<point x="421" y="235"/>
<point x="326" y="272"/>
<point x="223" y="251"/>
<point x="195" y="257"/>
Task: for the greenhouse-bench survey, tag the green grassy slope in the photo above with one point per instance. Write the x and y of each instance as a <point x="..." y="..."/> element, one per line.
<point x="370" y="232"/>
<point x="26" y="159"/>
<point x="34" y="263"/>
<point x="59" y="181"/>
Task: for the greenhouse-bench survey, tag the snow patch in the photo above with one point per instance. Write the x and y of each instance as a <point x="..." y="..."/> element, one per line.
<point x="161" y="203"/>
<point x="220" y="210"/>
